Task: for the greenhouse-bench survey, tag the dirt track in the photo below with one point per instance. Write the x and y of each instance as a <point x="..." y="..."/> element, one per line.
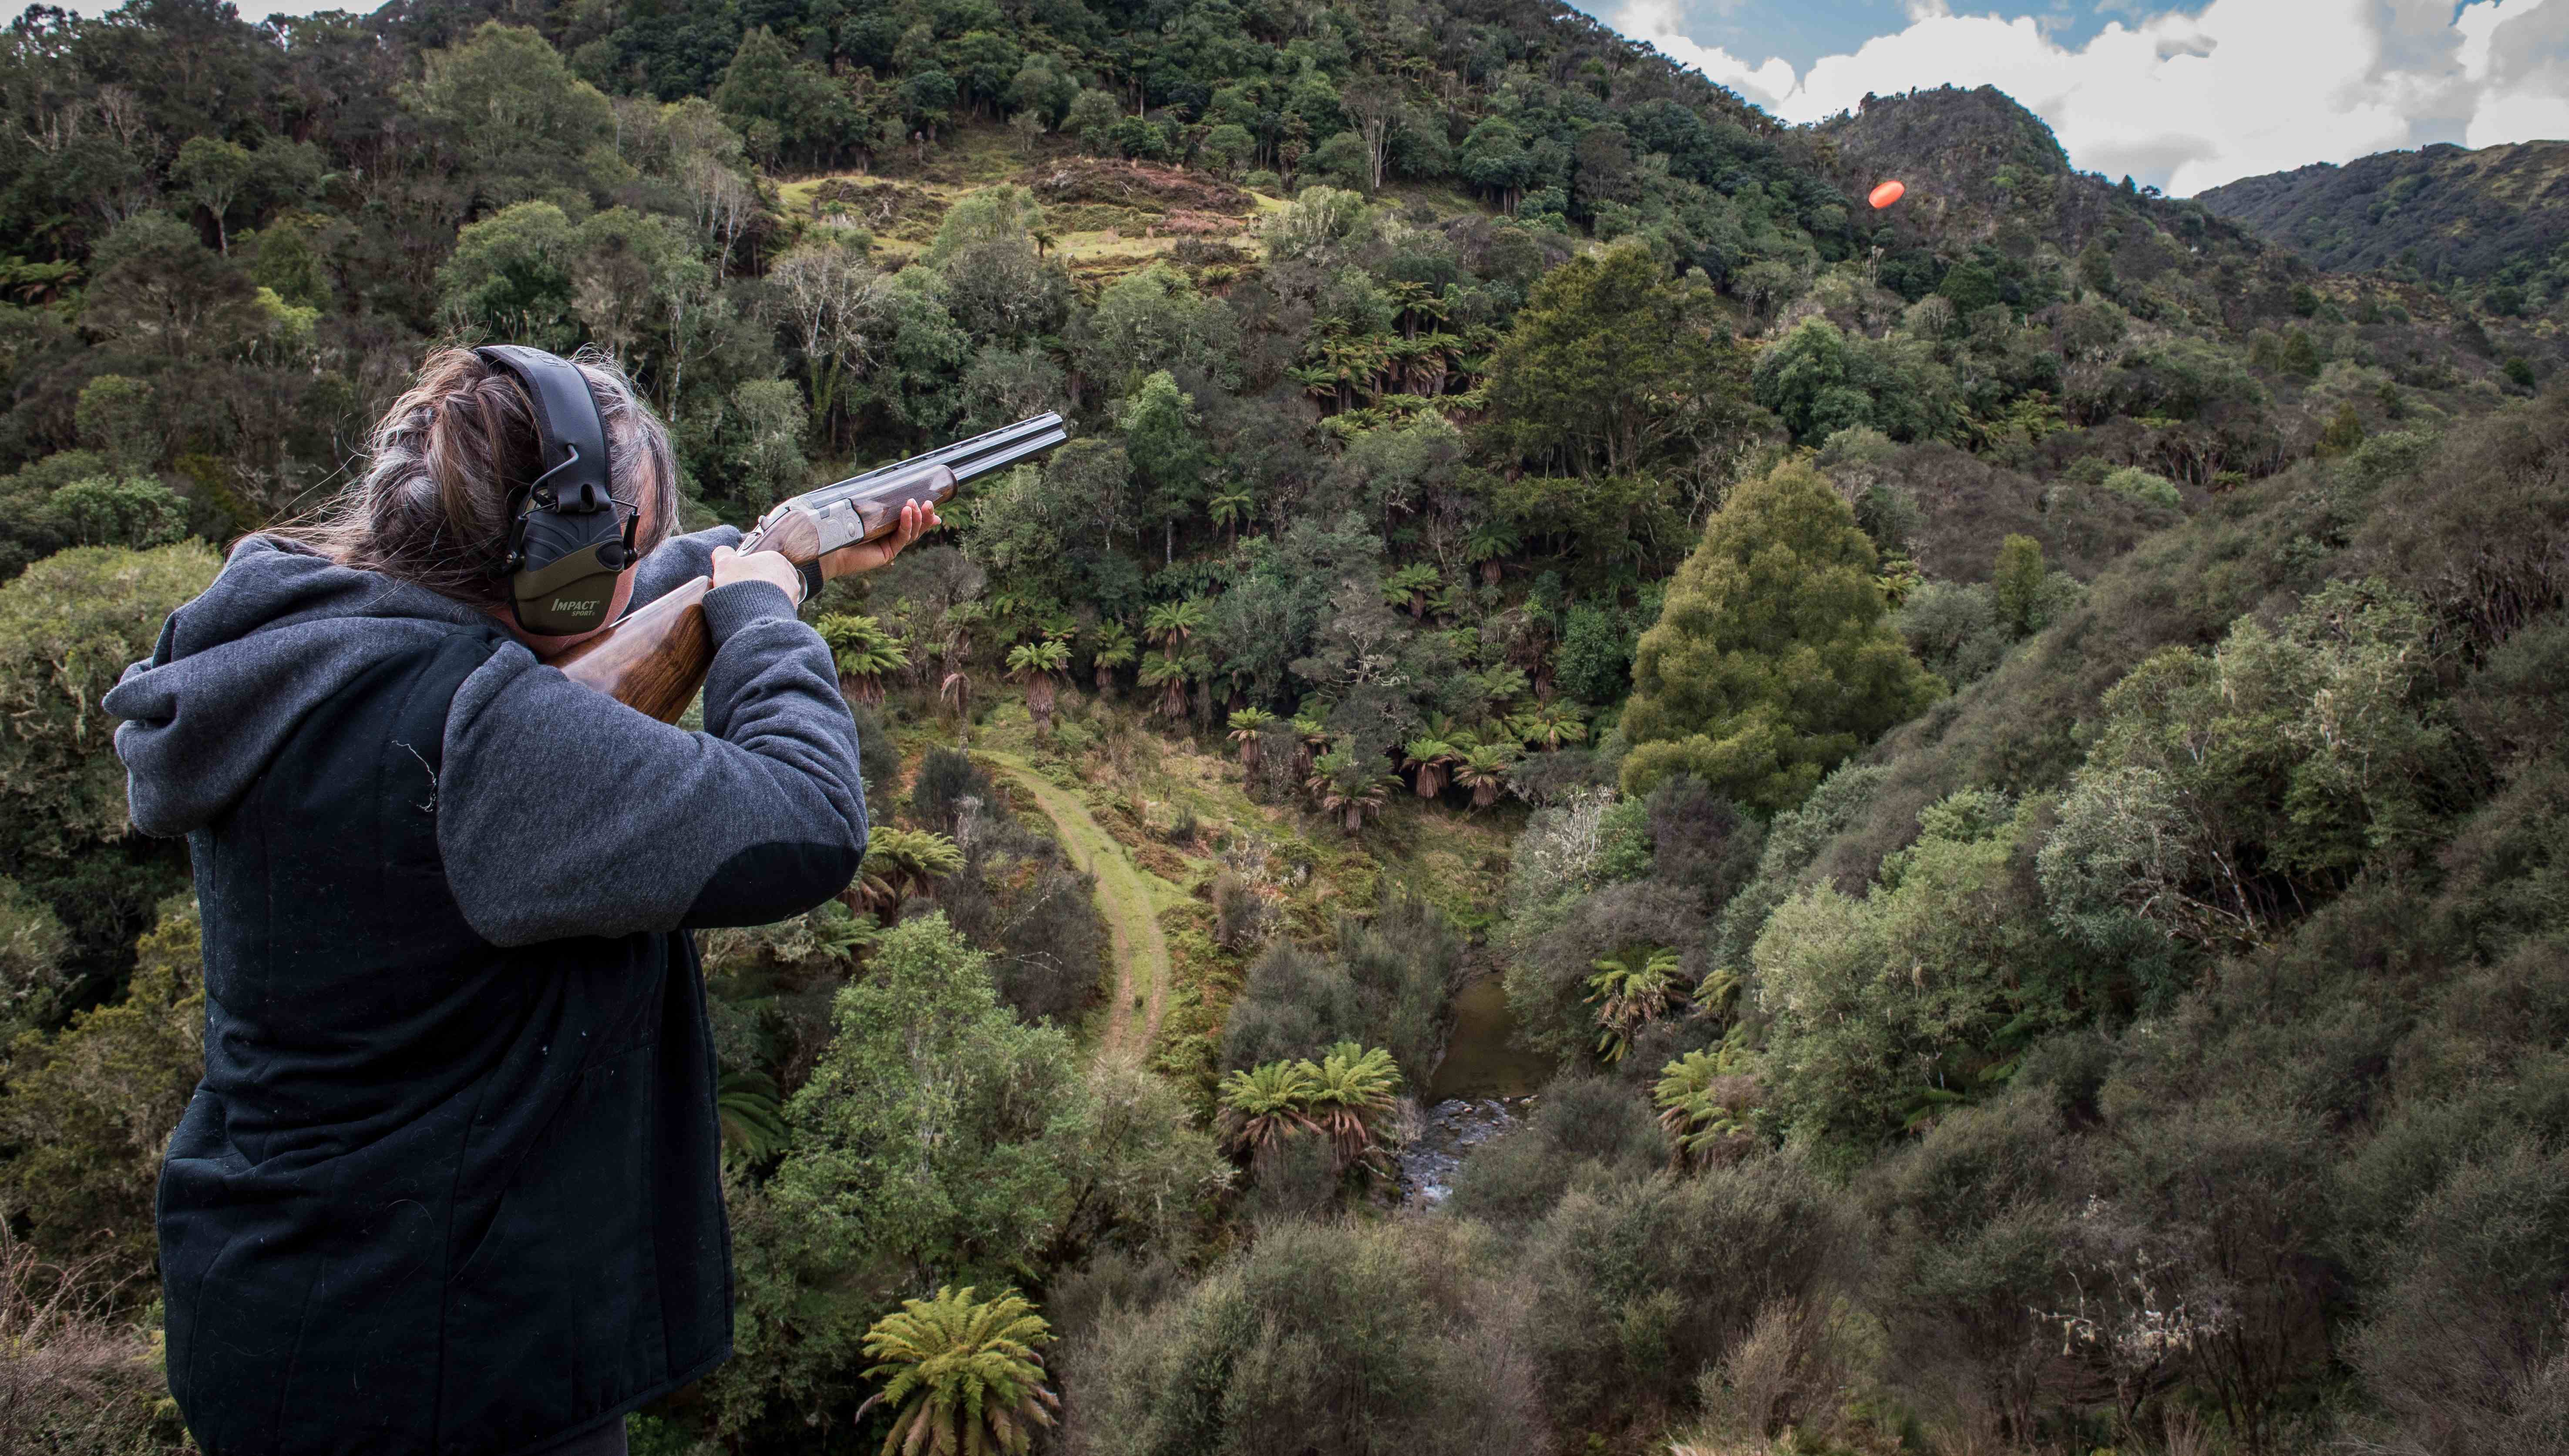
<point x="1141" y="951"/>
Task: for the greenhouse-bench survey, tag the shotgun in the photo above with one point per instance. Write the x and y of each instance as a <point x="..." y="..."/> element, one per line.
<point x="654" y="660"/>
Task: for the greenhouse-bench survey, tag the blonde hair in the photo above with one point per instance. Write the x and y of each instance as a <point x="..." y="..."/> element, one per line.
<point x="433" y="504"/>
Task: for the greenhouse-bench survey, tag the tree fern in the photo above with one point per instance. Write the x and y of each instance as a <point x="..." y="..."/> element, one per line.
<point x="750" y="1116"/>
<point x="1629" y="992"/>
<point x="965" y="1375"/>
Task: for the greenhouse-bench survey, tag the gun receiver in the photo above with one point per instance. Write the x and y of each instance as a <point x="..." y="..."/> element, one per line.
<point x="654" y="660"/>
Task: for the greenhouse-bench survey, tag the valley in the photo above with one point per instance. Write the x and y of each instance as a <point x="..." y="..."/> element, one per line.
<point x="1607" y="802"/>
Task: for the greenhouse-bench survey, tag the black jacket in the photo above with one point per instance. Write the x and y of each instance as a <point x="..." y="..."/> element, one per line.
<point x="451" y="1183"/>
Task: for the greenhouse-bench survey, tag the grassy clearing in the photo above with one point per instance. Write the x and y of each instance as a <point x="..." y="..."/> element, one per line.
<point x="1125" y="897"/>
<point x="1172" y="811"/>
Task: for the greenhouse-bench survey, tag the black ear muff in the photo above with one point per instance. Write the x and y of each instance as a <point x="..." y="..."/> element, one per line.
<point x="569" y="537"/>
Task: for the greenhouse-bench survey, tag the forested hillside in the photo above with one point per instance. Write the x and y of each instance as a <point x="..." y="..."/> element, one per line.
<point x="2005" y="750"/>
<point x="2486" y="219"/>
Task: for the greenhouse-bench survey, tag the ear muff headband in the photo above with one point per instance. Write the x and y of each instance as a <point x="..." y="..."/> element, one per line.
<point x="569" y="538"/>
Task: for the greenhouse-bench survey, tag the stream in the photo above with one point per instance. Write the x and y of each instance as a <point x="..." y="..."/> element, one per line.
<point x="1484" y="1086"/>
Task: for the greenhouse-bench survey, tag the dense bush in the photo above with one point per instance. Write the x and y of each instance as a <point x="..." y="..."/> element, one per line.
<point x="1586" y="1133"/>
<point x="1638" y="1288"/>
<point x="1018" y="899"/>
<point x="1387" y="986"/>
<point x="1368" y="1341"/>
<point x="87" y="1109"/>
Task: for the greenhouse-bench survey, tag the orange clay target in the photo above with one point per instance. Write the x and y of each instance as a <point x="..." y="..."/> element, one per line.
<point x="1888" y="193"/>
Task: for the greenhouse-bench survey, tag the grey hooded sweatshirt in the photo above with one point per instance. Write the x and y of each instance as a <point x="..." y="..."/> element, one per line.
<point x="450" y="1182"/>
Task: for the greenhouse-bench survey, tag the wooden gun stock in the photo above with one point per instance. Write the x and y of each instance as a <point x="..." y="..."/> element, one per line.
<point x="654" y="660"/>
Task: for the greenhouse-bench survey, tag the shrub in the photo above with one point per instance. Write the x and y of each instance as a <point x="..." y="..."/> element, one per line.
<point x="1295" y="1004"/>
<point x="1241" y="914"/>
<point x="1585" y="1132"/>
<point x="1954" y="630"/>
<point x="1387" y="987"/>
<point x="1637" y="1289"/>
<point x="2223" y="783"/>
<point x="1548" y="981"/>
<point x="77" y="1379"/>
<point x="68" y="625"/>
<point x="1020" y="899"/>
<point x="2464" y="1345"/>
<point x="878" y="756"/>
<point x="1701" y="842"/>
<point x="2140" y="485"/>
<point x="2481" y="532"/>
<point x="1406" y="962"/>
<point x="91" y="1108"/>
<point x="1793" y="841"/>
<point x="1886" y="1008"/>
<point x="1367" y="1340"/>
<point x="33" y="946"/>
<point x="2230" y="1204"/>
<point x="946" y="779"/>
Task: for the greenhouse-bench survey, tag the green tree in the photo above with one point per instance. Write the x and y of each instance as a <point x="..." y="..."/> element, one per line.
<point x="1630" y="992"/>
<point x="1090" y="116"/>
<point x="213" y="171"/>
<point x="1038" y="666"/>
<point x="937" y="1138"/>
<point x="767" y="422"/>
<point x="117" y="418"/>
<point x="90" y="1109"/>
<point x="966" y="1374"/>
<point x="155" y="288"/>
<point x="757" y="86"/>
<point x="1168" y="453"/>
<point x="1263" y="1106"/>
<point x="935" y="1126"/>
<point x="509" y="277"/>
<point x="2017" y="581"/>
<point x="1884" y="1009"/>
<point x="68" y="626"/>
<point x="524" y="125"/>
<point x="1351" y="1088"/>
<point x="1153" y="319"/>
<point x="1364" y="1338"/>
<point x="1611" y="366"/>
<point x="1007" y="212"/>
<point x="1773" y="660"/>
<point x="134" y="512"/>
<point x="1228" y="148"/>
<point x="1819" y="382"/>
<point x="1494" y="159"/>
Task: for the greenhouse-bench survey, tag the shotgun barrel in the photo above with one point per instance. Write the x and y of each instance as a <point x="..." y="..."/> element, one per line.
<point x="654" y="660"/>
<point x="991" y="451"/>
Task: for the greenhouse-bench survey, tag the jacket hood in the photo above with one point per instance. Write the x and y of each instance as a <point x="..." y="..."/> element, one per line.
<point x="235" y="670"/>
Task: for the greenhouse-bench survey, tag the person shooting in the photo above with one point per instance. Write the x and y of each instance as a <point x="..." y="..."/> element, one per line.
<point x="450" y="1183"/>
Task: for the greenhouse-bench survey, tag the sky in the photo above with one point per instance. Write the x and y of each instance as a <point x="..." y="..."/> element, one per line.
<point x="2181" y="97"/>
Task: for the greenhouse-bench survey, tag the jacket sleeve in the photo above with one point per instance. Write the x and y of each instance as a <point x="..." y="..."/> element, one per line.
<point x="562" y="812"/>
<point x="679" y="561"/>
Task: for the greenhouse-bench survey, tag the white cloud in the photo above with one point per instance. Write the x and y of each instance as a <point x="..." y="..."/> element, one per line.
<point x="2194" y="100"/>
